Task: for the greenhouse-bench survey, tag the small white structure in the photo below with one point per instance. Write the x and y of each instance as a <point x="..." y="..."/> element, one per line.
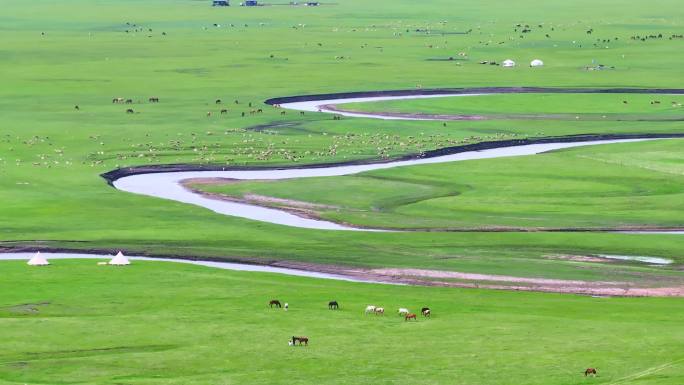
<point x="536" y="63"/>
<point x="38" y="260"/>
<point x="508" y="63"/>
<point x="120" y="260"/>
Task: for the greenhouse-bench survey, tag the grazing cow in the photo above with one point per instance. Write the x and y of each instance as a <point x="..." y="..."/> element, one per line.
<point x="129" y="101"/>
<point x="154" y="100"/>
<point x="118" y="100"/>
<point x="333" y="305"/>
<point x="301" y="340"/>
<point x="130" y="111"/>
<point x="403" y="311"/>
<point x="218" y="101"/>
<point x="410" y="316"/>
<point x="224" y="111"/>
<point x="282" y="112"/>
<point x="369" y="309"/>
<point x="589" y="371"/>
<point x="274" y="302"/>
<point x="379" y="311"/>
<point x="426" y="313"/>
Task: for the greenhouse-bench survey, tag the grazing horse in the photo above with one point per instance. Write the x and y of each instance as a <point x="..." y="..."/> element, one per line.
<point x="118" y="100"/>
<point x="76" y="107"/>
<point x="301" y="113"/>
<point x="304" y="340"/>
<point x="424" y="309"/>
<point x="333" y="305"/>
<point x="130" y="111"/>
<point x="129" y="101"/>
<point x="379" y="311"/>
<point x="369" y="309"/>
<point x="218" y="101"/>
<point x="282" y="112"/>
<point x="589" y="371"/>
<point x="224" y="111"/>
<point x="154" y="100"/>
<point x="208" y="114"/>
<point x="403" y="311"/>
<point x="410" y="316"/>
<point x="274" y="302"/>
<point x="426" y="313"/>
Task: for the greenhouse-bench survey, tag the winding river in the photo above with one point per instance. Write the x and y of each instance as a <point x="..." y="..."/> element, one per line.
<point x="167" y="184"/>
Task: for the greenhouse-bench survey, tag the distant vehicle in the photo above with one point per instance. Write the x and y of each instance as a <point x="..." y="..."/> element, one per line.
<point x="249" y="3"/>
<point x="220" y="3"/>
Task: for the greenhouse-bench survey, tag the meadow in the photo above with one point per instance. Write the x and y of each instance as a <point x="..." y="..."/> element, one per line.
<point x="149" y="323"/>
<point x="603" y="107"/>
<point x="163" y="323"/>
<point x="58" y="55"/>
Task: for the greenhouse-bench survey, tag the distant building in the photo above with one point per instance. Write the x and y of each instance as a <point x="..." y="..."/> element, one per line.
<point x="250" y="3"/>
<point x="220" y="3"/>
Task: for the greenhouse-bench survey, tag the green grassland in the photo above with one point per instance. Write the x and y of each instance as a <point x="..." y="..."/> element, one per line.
<point x="161" y="323"/>
<point x="56" y="55"/>
<point x="606" y="106"/>
<point x="611" y="186"/>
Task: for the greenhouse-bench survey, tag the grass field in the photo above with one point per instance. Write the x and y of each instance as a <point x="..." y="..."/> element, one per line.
<point x="58" y="55"/>
<point x="603" y="106"/>
<point x="161" y="323"/>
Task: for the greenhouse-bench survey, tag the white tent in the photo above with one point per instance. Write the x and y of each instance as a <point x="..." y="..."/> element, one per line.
<point x="120" y="260"/>
<point x="38" y="260"/>
<point x="508" y="63"/>
<point x="536" y="63"/>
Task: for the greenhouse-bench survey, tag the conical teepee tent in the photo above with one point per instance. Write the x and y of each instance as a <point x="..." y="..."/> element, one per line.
<point x="120" y="260"/>
<point x="38" y="260"/>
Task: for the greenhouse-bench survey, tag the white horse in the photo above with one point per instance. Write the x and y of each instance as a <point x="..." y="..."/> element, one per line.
<point x="403" y="311"/>
<point x="369" y="309"/>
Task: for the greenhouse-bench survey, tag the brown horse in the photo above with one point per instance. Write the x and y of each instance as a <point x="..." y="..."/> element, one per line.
<point x="589" y="371"/>
<point x="410" y="316"/>
<point x="304" y="340"/>
<point x="274" y="302"/>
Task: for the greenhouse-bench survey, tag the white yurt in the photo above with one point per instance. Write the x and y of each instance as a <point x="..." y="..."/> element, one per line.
<point x="536" y="63"/>
<point x="508" y="63"/>
<point x="119" y="260"/>
<point x="38" y="260"/>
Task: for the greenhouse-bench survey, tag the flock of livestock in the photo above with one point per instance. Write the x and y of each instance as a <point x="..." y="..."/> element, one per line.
<point x="334" y="305"/>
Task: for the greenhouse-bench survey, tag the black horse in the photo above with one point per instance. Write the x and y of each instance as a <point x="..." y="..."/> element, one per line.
<point x="274" y="302"/>
<point x="333" y="305"/>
